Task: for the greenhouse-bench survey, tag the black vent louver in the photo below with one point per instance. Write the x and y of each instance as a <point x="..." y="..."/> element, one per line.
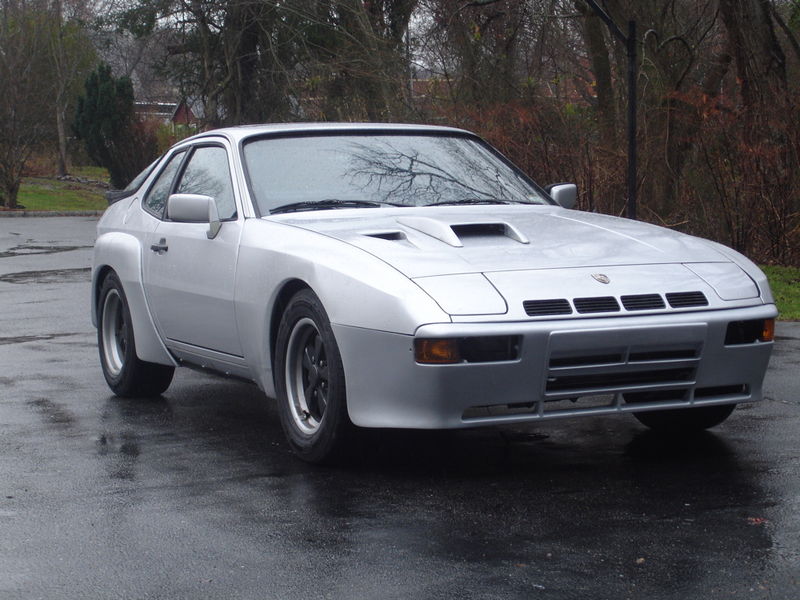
<point x="643" y="302"/>
<point x="477" y="229"/>
<point x="686" y="299"/>
<point x="596" y="305"/>
<point x="540" y="308"/>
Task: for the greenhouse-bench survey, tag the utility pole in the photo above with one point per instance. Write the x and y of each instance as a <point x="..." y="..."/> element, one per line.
<point x="630" y="46"/>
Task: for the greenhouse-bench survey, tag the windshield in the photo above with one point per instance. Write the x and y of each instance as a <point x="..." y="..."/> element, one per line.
<point x="369" y="170"/>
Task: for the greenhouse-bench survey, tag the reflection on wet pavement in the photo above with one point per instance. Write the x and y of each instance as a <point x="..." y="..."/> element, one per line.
<point x="27" y="250"/>
<point x="21" y="339"/>
<point x="52" y="413"/>
<point x="51" y="276"/>
<point x="196" y="495"/>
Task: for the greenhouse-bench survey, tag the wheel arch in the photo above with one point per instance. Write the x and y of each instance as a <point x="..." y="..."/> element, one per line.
<point x="287" y="291"/>
<point x="98" y="279"/>
<point x="121" y="254"/>
<point x="355" y="288"/>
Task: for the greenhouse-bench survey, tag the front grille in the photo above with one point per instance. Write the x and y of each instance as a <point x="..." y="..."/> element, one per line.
<point x="619" y="379"/>
<point x="655" y="396"/>
<point x="643" y="302"/>
<point x="540" y="308"/>
<point x="651" y="355"/>
<point x="585" y="360"/>
<point x="686" y="299"/>
<point x="610" y="304"/>
<point x="722" y="390"/>
<point x="596" y="305"/>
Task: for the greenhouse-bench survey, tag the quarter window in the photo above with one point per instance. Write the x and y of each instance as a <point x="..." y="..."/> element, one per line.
<point x="157" y="196"/>
<point x="207" y="173"/>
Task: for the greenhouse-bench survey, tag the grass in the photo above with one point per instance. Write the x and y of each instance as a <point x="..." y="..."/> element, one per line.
<point x="39" y="193"/>
<point x="785" y="284"/>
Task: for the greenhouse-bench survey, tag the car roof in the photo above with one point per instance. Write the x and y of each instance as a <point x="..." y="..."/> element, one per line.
<point x="238" y="133"/>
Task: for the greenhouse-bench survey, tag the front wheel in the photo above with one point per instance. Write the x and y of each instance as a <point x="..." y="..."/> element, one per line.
<point x="126" y="375"/>
<point x="309" y="379"/>
<point x="685" y="419"/>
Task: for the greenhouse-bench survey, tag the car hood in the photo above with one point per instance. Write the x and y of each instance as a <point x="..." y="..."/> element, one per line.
<point x="431" y="241"/>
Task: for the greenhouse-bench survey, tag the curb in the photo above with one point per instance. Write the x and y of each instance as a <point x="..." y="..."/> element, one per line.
<point x="50" y="213"/>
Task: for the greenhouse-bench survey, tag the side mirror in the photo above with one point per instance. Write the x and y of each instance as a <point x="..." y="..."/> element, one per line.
<point x="194" y="208"/>
<point x="565" y="194"/>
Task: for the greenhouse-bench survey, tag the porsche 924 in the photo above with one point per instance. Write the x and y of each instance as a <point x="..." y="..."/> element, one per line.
<point x="405" y="276"/>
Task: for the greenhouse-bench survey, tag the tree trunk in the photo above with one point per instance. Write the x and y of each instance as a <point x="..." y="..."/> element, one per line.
<point x="601" y="67"/>
<point x="62" y="141"/>
<point x="10" y="191"/>
<point x="760" y="61"/>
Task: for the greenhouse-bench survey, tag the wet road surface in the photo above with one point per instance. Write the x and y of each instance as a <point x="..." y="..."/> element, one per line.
<point x="196" y="495"/>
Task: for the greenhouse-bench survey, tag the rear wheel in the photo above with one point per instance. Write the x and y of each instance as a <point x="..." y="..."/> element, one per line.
<point x="310" y="382"/>
<point x="685" y="419"/>
<point x="126" y="375"/>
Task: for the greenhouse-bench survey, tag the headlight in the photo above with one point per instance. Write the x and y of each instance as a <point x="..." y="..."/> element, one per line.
<point x="469" y="294"/>
<point x="728" y="280"/>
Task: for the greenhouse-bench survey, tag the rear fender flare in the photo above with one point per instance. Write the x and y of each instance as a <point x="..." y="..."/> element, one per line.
<point x="122" y="253"/>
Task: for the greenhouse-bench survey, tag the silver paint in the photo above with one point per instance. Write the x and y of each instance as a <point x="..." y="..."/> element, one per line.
<point x="388" y="275"/>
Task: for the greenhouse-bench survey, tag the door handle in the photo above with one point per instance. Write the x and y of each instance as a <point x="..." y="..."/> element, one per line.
<point x="160" y="247"/>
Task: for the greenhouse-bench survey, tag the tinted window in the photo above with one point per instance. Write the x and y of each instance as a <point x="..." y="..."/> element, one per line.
<point x="403" y="169"/>
<point x="156" y="198"/>
<point x="207" y="173"/>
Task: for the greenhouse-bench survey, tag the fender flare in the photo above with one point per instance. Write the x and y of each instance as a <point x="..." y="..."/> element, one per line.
<point x="122" y="253"/>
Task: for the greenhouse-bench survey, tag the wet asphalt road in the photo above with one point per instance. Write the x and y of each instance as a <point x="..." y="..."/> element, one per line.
<point x="196" y="495"/>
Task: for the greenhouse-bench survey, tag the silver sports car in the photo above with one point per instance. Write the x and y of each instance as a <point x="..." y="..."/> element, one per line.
<point x="408" y="276"/>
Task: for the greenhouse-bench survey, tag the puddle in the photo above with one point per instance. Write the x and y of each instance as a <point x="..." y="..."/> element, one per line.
<point x="27" y="250"/>
<point x="52" y="412"/>
<point x="54" y="276"/>
<point x="123" y="452"/>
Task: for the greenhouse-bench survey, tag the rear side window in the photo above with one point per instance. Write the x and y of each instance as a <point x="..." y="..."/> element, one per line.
<point x="156" y="198"/>
<point x="207" y="173"/>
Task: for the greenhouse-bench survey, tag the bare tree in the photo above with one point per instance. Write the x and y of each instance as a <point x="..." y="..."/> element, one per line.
<point x="760" y="60"/>
<point x="25" y="100"/>
<point x="72" y="57"/>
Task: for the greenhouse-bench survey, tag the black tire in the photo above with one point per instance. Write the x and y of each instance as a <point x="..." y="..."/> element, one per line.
<point x="126" y="375"/>
<point x="685" y="419"/>
<point x="309" y="379"/>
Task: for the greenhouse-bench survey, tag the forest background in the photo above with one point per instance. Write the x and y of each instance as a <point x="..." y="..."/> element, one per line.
<point x="542" y="80"/>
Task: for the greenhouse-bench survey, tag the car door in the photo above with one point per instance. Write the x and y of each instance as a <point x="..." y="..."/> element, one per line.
<point x="189" y="278"/>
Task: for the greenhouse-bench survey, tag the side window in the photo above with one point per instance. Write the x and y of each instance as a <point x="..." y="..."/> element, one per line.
<point x="157" y="196"/>
<point x="208" y="173"/>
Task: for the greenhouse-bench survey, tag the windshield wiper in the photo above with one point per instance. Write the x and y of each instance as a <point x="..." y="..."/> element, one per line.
<point x="470" y="201"/>
<point x="327" y="204"/>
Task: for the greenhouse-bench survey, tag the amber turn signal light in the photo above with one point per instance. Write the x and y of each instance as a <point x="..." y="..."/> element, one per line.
<point x="768" y="333"/>
<point x="440" y="351"/>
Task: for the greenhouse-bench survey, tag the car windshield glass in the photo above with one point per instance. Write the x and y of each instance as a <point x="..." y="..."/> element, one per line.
<point x="398" y="169"/>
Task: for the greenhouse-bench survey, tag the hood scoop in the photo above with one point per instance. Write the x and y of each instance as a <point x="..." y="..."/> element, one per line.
<point x="391" y="236"/>
<point x="455" y="234"/>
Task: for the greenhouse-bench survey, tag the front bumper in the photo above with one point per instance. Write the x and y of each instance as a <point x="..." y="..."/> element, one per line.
<point x="565" y="368"/>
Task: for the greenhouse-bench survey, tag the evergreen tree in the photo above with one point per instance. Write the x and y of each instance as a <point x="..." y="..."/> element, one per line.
<point x="106" y="122"/>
